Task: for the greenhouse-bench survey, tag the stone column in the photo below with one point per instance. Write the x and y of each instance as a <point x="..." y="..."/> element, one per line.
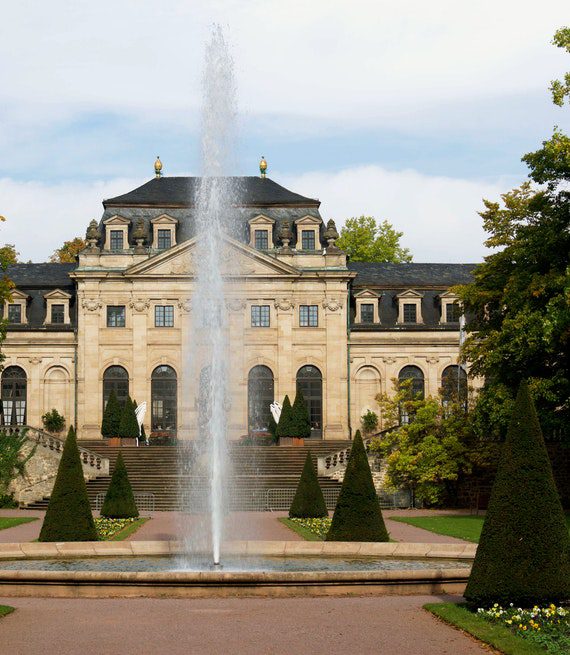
<point x="89" y="410"/>
<point x="140" y="387"/>
<point x="285" y="310"/>
<point x="335" y="392"/>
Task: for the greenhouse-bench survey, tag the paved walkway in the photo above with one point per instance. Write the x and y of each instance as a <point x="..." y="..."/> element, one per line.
<point x="275" y="626"/>
<point x="265" y="526"/>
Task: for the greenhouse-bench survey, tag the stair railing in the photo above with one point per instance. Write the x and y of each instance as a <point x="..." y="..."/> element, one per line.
<point x="327" y="465"/>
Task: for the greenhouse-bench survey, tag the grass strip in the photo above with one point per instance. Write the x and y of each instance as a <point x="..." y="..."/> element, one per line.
<point x="463" y="527"/>
<point x="5" y="610"/>
<point x="13" y="521"/>
<point x="300" y="530"/>
<point x="497" y="636"/>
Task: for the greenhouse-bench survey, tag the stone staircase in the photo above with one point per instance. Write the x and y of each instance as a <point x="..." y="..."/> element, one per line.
<point x="254" y="470"/>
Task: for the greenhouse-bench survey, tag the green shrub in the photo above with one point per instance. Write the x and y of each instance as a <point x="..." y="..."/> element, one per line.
<point x="357" y="516"/>
<point x="119" y="500"/>
<point x="53" y="421"/>
<point x="301" y="423"/>
<point x="129" y="427"/>
<point x="111" y="417"/>
<point x="369" y="422"/>
<point x="272" y="428"/>
<point x="68" y="516"/>
<point x="285" y="425"/>
<point x="524" y="550"/>
<point x="12" y="462"/>
<point x="309" y="501"/>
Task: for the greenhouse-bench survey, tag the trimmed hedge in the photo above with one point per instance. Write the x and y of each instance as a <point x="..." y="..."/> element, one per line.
<point x="309" y="502"/>
<point x="524" y="551"/>
<point x="111" y="417"/>
<point x="129" y="427"/>
<point x="285" y="425"/>
<point x="357" y="516"/>
<point x="68" y="516"/>
<point x="301" y="427"/>
<point x="119" y="500"/>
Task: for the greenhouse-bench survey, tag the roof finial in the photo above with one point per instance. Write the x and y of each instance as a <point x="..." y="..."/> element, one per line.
<point x="158" y="167"/>
<point x="263" y="166"/>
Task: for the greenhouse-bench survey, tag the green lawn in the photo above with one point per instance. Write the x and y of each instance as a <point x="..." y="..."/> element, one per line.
<point x="461" y="526"/>
<point x="11" y="521"/>
<point x="301" y="530"/>
<point x="493" y="634"/>
<point x="5" y="609"/>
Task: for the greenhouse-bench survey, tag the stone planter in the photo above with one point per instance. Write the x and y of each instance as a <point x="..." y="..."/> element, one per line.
<point x="291" y="441"/>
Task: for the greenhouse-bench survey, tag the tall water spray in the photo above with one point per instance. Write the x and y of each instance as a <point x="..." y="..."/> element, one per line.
<point x="213" y="202"/>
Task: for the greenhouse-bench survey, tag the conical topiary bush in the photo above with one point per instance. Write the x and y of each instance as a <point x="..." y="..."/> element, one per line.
<point x="357" y="516"/>
<point x="285" y="424"/>
<point x="301" y="419"/>
<point x="119" y="500"/>
<point x="68" y="516"/>
<point x="129" y="427"/>
<point x="309" y="501"/>
<point x="524" y="551"/>
<point x="111" y="417"/>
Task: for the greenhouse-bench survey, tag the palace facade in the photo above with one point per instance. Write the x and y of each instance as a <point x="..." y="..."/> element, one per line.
<point x="298" y="313"/>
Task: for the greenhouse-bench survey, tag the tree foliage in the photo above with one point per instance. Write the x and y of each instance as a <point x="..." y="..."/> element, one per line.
<point x="369" y="422"/>
<point x="285" y="425"/>
<point x="119" y="500"/>
<point x="12" y="459"/>
<point x="365" y="240"/>
<point x="301" y="421"/>
<point x="9" y="255"/>
<point x="524" y="551"/>
<point x="111" y="417"/>
<point x="309" y="501"/>
<point x="560" y="89"/>
<point x="129" y="426"/>
<point x="67" y="254"/>
<point x="435" y="450"/>
<point x="357" y="516"/>
<point x="53" y="421"/>
<point x="68" y="516"/>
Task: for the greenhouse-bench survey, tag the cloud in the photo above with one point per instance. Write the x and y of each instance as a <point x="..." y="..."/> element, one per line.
<point x="438" y="215"/>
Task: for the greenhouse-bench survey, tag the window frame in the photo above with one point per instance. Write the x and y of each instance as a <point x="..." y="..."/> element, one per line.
<point x="59" y="307"/>
<point x="307" y="317"/>
<point x="368" y="307"/>
<point x="113" y="234"/>
<point x="409" y="307"/>
<point x="167" y="319"/>
<point x="263" y="314"/>
<point x="163" y="234"/>
<point x="308" y="239"/>
<point x="108" y="316"/>
<point x="18" y="307"/>
<point x="263" y="235"/>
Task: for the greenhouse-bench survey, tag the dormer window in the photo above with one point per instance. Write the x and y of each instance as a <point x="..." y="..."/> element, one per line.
<point x="163" y="232"/>
<point x="116" y="233"/>
<point x="261" y="239"/>
<point x="366" y="307"/>
<point x="451" y="308"/>
<point x="261" y="233"/>
<point x="308" y="230"/>
<point x="15" y="309"/>
<point x="57" y="307"/>
<point x="410" y="307"/>
<point x="14" y="313"/>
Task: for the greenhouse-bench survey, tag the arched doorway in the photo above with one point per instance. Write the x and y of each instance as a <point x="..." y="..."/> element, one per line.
<point x="310" y="381"/>
<point x="116" y="379"/>
<point x="164" y="405"/>
<point x="454" y="386"/>
<point x="416" y="389"/>
<point x="260" y="389"/>
<point x="14" y="392"/>
<point x="366" y="388"/>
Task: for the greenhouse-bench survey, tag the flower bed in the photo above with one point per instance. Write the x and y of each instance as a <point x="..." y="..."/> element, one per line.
<point x="548" y="627"/>
<point x="320" y="527"/>
<point x="109" y="529"/>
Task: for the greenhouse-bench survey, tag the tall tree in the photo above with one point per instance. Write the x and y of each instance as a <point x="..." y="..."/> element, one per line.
<point x="9" y="254"/>
<point x="365" y="240"/>
<point x="560" y="89"/>
<point x="69" y="251"/>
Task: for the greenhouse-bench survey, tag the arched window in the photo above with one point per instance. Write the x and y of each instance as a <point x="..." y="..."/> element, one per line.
<point x="164" y="389"/>
<point x="454" y="386"/>
<point x="14" y="389"/>
<point x="310" y="381"/>
<point x="115" y="379"/>
<point x="416" y="390"/>
<point x="259" y="398"/>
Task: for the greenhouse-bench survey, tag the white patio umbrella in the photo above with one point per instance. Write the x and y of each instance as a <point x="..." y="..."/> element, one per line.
<point x="140" y="413"/>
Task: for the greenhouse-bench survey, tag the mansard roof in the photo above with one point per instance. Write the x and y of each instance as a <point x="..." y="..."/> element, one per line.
<point x="392" y="276"/>
<point x="41" y="276"/>
<point x="180" y="192"/>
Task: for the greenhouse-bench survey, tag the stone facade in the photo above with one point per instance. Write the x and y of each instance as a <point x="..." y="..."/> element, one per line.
<point x="344" y="321"/>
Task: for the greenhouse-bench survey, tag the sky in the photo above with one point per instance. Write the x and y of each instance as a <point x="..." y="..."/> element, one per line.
<point x="412" y="111"/>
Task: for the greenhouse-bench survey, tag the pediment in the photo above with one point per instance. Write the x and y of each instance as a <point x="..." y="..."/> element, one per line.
<point x="308" y="220"/>
<point x="411" y="294"/>
<point x="262" y="220"/>
<point x="448" y="295"/>
<point x="57" y="294"/>
<point x="18" y="295"/>
<point x="237" y="260"/>
<point x="164" y="219"/>
<point x="117" y="220"/>
<point x="366" y="293"/>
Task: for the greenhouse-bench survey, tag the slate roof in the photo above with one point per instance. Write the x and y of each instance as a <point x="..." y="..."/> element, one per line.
<point x="392" y="276"/>
<point x="181" y="192"/>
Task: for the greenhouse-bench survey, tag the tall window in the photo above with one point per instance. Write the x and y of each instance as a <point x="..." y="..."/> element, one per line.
<point x="410" y="313"/>
<point x="115" y="316"/>
<point x="164" y="316"/>
<point x="308" y="239"/>
<point x="261" y="238"/>
<point x="259" y="398"/>
<point x="164" y="388"/>
<point x="14" y="389"/>
<point x="164" y="239"/>
<point x="452" y="312"/>
<point x="454" y="386"/>
<point x="260" y="316"/>
<point x="57" y="313"/>
<point x="310" y="381"/>
<point x="308" y="315"/>
<point x="116" y="240"/>
<point x="116" y="379"/>
<point x="14" y="313"/>
<point x="416" y="390"/>
<point x="367" y="313"/>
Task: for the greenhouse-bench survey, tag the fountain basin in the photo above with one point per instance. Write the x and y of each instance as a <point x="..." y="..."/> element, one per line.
<point x="434" y="571"/>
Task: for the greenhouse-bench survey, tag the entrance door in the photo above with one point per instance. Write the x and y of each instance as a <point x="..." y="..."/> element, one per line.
<point x="310" y="381"/>
<point x="14" y="390"/>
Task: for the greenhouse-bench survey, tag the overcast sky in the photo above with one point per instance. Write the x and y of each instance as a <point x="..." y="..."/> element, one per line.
<point x="411" y="111"/>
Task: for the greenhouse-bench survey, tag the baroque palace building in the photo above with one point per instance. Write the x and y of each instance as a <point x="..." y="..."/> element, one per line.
<point x="298" y="313"/>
